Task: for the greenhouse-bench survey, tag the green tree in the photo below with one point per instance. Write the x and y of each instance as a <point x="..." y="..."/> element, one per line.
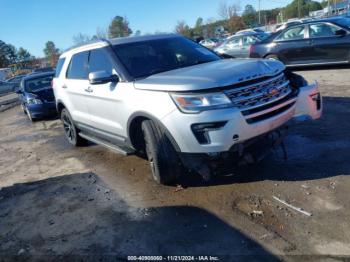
<point x="198" y="28"/>
<point x="119" y="27"/>
<point x="51" y="52"/>
<point x="301" y="8"/>
<point x="8" y="54"/>
<point x="23" y="55"/>
<point x="249" y="16"/>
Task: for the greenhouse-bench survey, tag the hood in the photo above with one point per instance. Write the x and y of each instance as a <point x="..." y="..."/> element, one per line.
<point x="210" y="75"/>
<point x="45" y="94"/>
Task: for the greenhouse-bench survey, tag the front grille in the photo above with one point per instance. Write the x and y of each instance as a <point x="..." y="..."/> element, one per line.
<point x="260" y="95"/>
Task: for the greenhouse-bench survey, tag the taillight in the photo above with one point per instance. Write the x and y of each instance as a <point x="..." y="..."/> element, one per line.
<point x="251" y="50"/>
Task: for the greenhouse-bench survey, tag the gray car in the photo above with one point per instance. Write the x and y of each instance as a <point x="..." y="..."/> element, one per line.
<point x="237" y="46"/>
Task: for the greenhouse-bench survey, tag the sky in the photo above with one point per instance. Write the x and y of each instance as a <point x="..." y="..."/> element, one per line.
<point x="31" y="23"/>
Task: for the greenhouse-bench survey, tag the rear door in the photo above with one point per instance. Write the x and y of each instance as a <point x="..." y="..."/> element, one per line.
<point x="233" y="46"/>
<point x="246" y="42"/>
<point x="326" y="45"/>
<point x="76" y="85"/>
<point x="292" y="45"/>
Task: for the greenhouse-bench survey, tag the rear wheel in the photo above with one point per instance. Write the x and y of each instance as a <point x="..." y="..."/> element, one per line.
<point x="70" y="131"/>
<point x="163" y="159"/>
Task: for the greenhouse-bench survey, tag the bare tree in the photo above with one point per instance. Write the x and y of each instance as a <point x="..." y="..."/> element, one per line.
<point x="81" y="39"/>
<point x="182" y="28"/>
<point x="226" y="11"/>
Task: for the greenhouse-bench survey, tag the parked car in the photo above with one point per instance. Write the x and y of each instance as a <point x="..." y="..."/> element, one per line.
<point x="36" y="96"/>
<point x="237" y="46"/>
<point x="169" y="99"/>
<point x="317" y="42"/>
<point x="210" y="42"/>
<point x="15" y="81"/>
<point x="6" y="87"/>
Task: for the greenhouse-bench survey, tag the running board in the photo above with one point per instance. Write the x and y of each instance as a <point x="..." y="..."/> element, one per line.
<point x="121" y="150"/>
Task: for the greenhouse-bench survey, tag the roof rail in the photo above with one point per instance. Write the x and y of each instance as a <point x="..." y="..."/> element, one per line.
<point x="98" y="40"/>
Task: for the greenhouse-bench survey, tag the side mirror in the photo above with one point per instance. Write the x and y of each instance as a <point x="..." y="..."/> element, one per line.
<point x="19" y="91"/>
<point x="340" y="32"/>
<point x="102" y="77"/>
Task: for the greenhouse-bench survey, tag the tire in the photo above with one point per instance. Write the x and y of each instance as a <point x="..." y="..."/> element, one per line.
<point x="164" y="160"/>
<point x="272" y="57"/>
<point x="70" y="131"/>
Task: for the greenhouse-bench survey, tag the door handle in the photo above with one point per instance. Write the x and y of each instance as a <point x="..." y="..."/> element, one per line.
<point x="64" y="86"/>
<point x="89" y="89"/>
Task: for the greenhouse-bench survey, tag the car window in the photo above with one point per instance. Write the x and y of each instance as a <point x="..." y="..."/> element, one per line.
<point x="37" y="84"/>
<point x="99" y="61"/>
<point x="78" y="67"/>
<point x="234" y="42"/>
<point x="149" y="57"/>
<point x="248" y="40"/>
<point x="322" y="30"/>
<point x="292" y="33"/>
<point x="59" y="66"/>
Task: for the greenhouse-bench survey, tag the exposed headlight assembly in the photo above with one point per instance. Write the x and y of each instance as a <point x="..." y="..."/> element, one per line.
<point x="34" y="101"/>
<point x="196" y="103"/>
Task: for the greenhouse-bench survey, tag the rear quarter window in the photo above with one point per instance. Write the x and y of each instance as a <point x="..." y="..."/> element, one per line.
<point x="59" y="66"/>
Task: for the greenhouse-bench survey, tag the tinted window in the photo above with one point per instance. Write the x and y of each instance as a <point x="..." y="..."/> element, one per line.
<point x="37" y="84"/>
<point x="234" y="42"/>
<point x="248" y="40"/>
<point x="59" y="66"/>
<point x="78" y="67"/>
<point x="145" y="58"/>
<point x="99" y="61"/>
<point x="322" y="30"/>
<point x="292" y="33"/>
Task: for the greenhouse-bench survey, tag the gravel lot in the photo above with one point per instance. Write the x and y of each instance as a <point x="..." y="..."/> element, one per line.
<point x="58" y="201"/>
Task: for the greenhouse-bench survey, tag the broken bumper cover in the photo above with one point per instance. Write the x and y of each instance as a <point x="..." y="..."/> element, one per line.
<point x="232" y="127"/>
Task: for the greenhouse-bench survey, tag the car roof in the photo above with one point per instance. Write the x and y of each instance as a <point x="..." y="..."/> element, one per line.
<point x="37" y="75"/>
<point x="328" y="19"/>
<point x="135" y="39"/>
<point x="116" y="41"/>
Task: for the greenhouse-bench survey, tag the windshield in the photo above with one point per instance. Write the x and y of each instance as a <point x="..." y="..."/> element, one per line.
<point x="145" y="58"/>
<point x="344" y="22"/>
<point x="38" y="84"/>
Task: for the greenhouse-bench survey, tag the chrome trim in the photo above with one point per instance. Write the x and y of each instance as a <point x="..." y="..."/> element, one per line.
<point x="234" y="90"/>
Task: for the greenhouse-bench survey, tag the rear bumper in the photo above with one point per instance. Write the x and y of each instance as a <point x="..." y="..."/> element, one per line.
<point x="42" y="110"/>
<point x="237" y="128"/>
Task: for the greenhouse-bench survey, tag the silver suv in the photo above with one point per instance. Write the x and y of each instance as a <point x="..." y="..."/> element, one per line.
<point x="175" y="102"/>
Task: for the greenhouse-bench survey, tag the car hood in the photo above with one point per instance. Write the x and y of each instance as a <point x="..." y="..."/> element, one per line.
<point x="45" y="94"/>
<point x="210" y="75"/>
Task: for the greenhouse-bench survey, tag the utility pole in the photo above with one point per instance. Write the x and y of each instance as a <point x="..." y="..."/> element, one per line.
<point x="299" y="9"/>
<point x="259" y="14"/>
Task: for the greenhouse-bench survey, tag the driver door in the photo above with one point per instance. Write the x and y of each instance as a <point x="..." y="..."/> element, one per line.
<point x="104" y="101"/>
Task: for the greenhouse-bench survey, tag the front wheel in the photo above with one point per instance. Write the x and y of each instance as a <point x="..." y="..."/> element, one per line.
<point x="163" y="159"/>
<point x="70" y="131"/>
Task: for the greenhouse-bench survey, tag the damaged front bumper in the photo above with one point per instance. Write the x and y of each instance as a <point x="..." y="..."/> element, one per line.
<point x="307" y="106"/>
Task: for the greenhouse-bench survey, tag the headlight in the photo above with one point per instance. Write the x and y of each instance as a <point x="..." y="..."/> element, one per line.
<point x="196" y="103"/>
<point x="34" y="101"/>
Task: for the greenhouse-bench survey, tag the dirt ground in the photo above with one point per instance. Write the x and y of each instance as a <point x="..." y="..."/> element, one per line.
<point x="92" y="204"/>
